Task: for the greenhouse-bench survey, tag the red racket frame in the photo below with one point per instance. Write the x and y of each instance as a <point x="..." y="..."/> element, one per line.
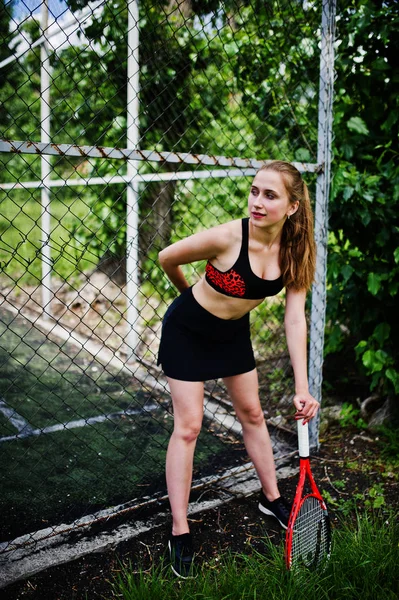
<point x="304" y="472"/>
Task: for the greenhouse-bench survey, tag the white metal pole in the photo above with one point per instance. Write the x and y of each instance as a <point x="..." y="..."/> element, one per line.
<point x="132" y="255"/>
<point x="324" y="149"/>
<point x="45" y="164"/>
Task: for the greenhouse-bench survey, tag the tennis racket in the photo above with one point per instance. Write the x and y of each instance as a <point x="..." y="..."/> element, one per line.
<point x="308" y="537"/>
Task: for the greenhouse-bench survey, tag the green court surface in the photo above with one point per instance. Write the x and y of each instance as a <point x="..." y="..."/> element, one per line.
<point x="76" y="437"/>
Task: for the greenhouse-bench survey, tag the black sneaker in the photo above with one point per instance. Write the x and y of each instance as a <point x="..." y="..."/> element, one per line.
<point x="280" y="509"/>
<point x="181" y="555"/>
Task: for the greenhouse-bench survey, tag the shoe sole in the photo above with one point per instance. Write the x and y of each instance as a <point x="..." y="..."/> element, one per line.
<point x="174" y="570"/>
<point x="269" y="513"/>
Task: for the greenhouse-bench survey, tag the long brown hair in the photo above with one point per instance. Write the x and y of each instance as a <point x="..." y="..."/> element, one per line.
<point x="297" y="246"/>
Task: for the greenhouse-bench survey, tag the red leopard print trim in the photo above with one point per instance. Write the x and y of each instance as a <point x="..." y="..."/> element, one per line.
<point x="230" y="282"/>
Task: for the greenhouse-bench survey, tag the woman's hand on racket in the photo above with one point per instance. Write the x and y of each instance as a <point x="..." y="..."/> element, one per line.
<point x="306" y="406"/>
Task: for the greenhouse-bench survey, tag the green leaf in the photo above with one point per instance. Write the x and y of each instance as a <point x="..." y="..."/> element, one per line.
<point x="357" y="125"/>
<point x="303" y="155"/>
<point x="373" y="283"/>
<point x="367" y="196"/>
<point x="381" y="333"/>
<point x="374" y="361"/>
<point x="346" y="272"/>
<point x="367" y="358"/>
<point x="347" y="150"/>
<point x="348" y="192"/>
<point x="393" y="376"/>
<point x="361" y="346"/>
<point x="393" y="287"/>
<point x="396" y="255"/>
<point x="378" y="502"/>
<point x="365" y="216"/>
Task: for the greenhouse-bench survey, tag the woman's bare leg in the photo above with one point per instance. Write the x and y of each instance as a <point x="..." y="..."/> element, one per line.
<point x="244" y="393"/>
<point x="188" y="400"/>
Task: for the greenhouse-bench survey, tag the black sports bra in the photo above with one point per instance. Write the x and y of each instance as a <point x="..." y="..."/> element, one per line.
<point x="240" y="281"/>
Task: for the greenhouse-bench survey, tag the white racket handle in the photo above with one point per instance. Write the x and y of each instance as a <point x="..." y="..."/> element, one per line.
<point x="303" y="439"/>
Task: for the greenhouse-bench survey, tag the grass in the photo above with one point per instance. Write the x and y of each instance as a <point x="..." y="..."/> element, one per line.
<point x="21" y="236"/>
<point x="363" y="565"/>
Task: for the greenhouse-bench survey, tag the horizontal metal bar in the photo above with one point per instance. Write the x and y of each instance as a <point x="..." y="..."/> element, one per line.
<point x="182" y="175"/>
<point x="19" y="147"/>
<point x="144" y="178"/>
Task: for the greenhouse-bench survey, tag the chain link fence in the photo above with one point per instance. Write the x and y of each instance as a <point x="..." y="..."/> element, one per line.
<point x="119" y="122"/>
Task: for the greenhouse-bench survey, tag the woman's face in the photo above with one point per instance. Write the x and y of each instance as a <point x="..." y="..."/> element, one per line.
<point x="268" y="200"/>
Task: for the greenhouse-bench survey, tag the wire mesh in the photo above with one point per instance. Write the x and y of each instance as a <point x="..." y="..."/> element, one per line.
<point x="311" y="538"/>
<point x="119" y="122"/>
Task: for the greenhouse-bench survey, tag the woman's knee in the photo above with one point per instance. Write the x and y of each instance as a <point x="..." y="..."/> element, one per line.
<point x="252" y="416"/>
<point x="187" y="432"/>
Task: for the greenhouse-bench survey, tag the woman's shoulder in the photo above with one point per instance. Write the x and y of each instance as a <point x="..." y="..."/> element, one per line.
<point x="212" y="241"/>
<point x="228" y="232"/>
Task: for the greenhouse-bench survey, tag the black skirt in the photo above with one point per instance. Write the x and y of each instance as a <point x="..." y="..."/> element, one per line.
<point x="197" y="346"/>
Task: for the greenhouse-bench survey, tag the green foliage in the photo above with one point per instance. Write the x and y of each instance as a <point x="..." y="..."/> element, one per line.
<point x="276" y="71"/>
<point x="349" y="416"/>
<point x="376" y="496"/>
<point x="9" y="73"/>
<point x="363" y="268"/>
<point x="278" y="383"/>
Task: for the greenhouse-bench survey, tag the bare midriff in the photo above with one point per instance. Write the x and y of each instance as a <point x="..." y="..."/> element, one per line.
<point x="219" y="305"/>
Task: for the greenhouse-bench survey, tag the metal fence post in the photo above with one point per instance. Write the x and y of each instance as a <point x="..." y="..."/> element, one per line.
<point x="324" y="149"/>
<point x="132" y="261"/>
<point x="45" y="68"/>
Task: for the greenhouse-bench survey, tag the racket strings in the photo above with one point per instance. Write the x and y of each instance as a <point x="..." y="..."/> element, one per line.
<point x="311" y="534"/>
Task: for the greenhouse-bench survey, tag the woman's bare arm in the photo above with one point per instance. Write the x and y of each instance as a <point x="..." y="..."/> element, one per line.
<point x="204" y="245"/>
<point x="296" y="333"/>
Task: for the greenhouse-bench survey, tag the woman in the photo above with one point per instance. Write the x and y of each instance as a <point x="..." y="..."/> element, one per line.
<point x="206" y="333"/>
